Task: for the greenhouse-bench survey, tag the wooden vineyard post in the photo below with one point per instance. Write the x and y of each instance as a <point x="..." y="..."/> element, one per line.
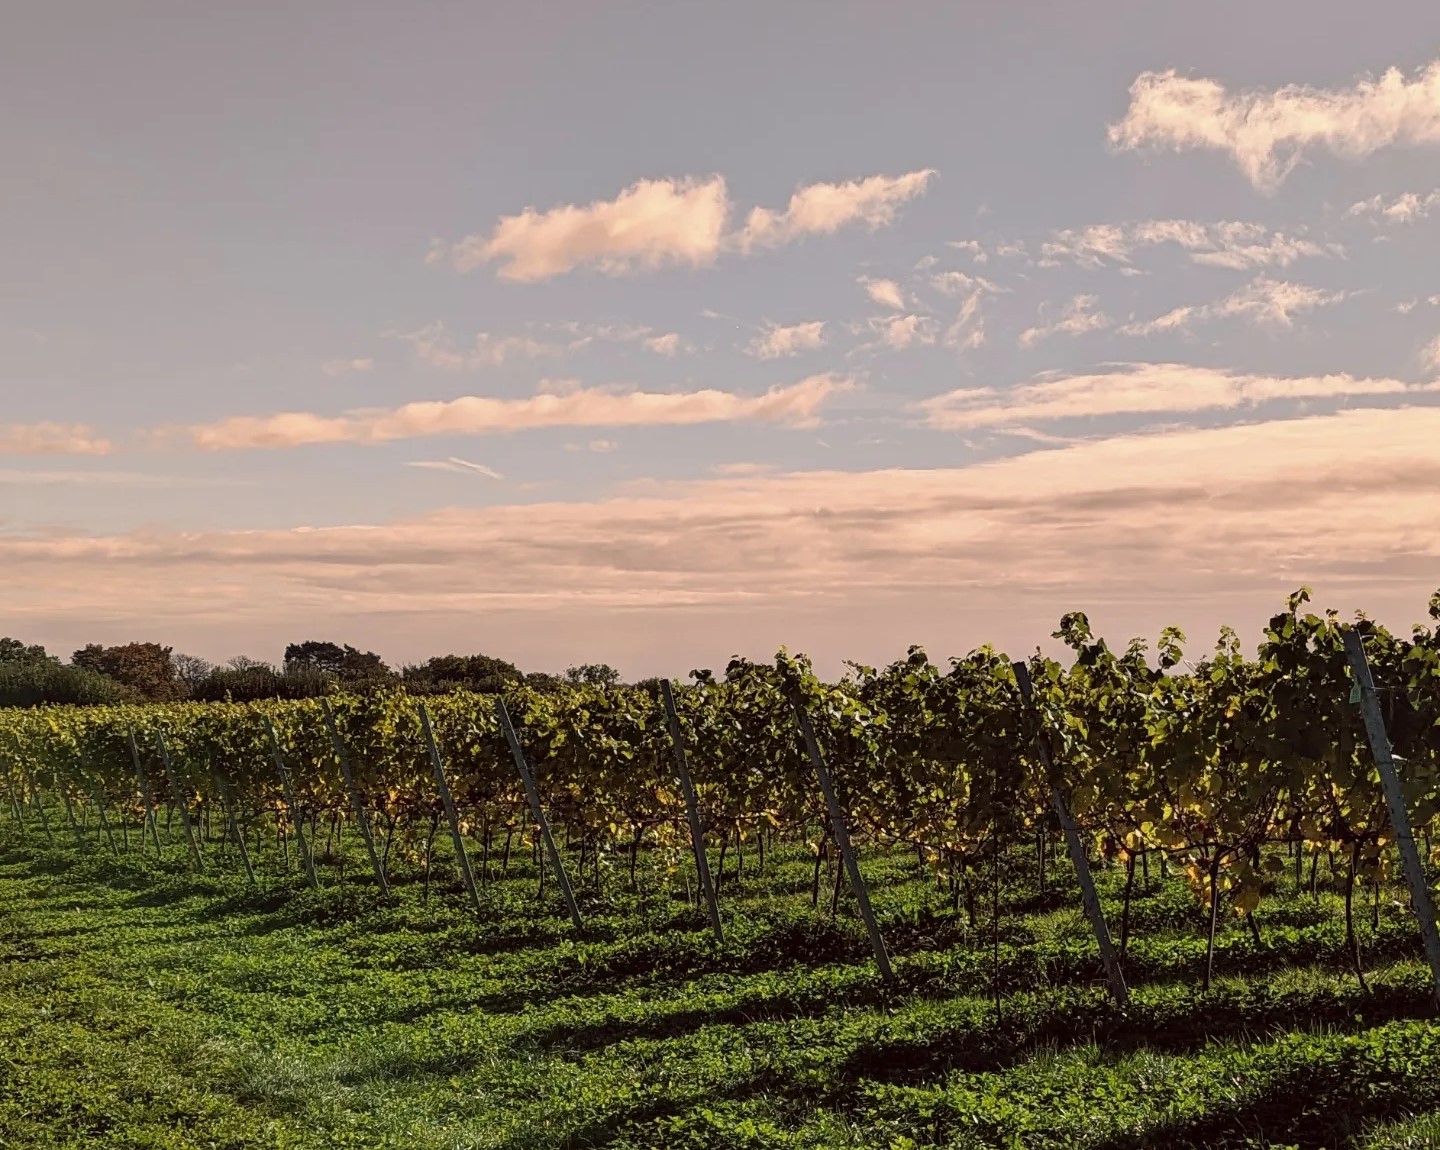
<point x="692" y="809"/>
<point x="842" y="841"/>
<point x="227" y="800"/>
<point x="16" y="813"/>
<point x="70" y="814"/>
<point x="1395" y="801"/>
<point x="145" y="794"/>
<point x="538" y="811"/>
<point x="355" y="804"/>
<point x="454" y="819"/>
<point x="292" y="810"/>
<point x="1113" y="973"/>
<point x="99" y="796"/>
<point x="39" y="801"/>
<point x="180" y="801"/>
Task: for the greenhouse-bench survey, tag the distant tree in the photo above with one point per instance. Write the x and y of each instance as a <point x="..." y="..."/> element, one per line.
<point x="593" y="674"/>
<point x="483" y="674"/>
<point x="145" y="668"/>
<point x="245" y="663"/>
<point x="14" y="653"/>
<point x="346" y="663"/>
<point x="544" y="681"/>
<point x="364" y="667"/>
<point x="327" y="657"/>
<point x="35" y="682"/>
<point x="191" y="670"/>
<point x="254" y="681"/>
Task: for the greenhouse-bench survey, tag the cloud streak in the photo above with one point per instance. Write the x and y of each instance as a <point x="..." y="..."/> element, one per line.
<point x="1264" y="301"/>
<point x="1234" y="244"/>
<point x="1268" y="133"/>
<point x="1143" y="389"/>
<point x="821" y="209"/>
<point x="1350" y="499"/>
<point x="1401" y="209"/>
<point x="456" y="465"/>
<point x="651" y="224"/>
<point x="797" y="404"/>
<point x="1076" y="318"/>
<point x="887" y="293"/>
<point x="51" y="439"/>
<point x="657" y="223"/>
<point x="779" y="342"/>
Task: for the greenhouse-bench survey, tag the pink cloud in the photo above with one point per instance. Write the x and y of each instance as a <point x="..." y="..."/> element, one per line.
<point x="650" y="224"/>
<point x="51" y="439"/>
<point x="1267" y="133"/>
<point x="1145" y="526"/>
<point x="1143" y="389"/>
<point x="820" y="209"/>
<point x="561" y="406"/>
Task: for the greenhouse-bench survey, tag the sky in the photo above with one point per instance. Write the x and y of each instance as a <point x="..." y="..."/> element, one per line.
<point x="657" y="333"/>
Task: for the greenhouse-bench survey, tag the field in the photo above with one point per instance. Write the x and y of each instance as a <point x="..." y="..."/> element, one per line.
<point x="142" y="1005"/>
<point x="324" y="922"/>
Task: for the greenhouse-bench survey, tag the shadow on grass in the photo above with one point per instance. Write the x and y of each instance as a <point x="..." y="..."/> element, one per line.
<point x="1177" y="1022"/>
<point x="1329" y="1100"/>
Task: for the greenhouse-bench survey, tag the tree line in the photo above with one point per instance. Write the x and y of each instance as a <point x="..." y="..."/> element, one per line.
<point x="31" y="676"/>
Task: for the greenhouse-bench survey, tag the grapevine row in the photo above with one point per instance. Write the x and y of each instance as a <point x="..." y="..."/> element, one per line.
<point x="1203" y="763"/>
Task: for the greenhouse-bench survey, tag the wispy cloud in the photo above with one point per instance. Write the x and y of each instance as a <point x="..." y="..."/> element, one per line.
<point x="1141" y="389"/>
<point x="51" y="439"/>
<point x="1430" y="356"/>
<point x="668" y="222"/>
<point x="649" y="225"/>
<point x="777" y="341"/>
<point x="797" y="404"/>
<point x="967" y="330"/>
<point x="974" y="247"/>
<point x="1263" y="301"/>
<point x="743" y="469"/>
<point x="821" y="209"/>
<point x="897" y="332"/>
<point x="1351" y="498"/>
<point x="434" y="346"/>
<point x="1402" y="209"/>
<point x="1267" y="133"/>
<point x="668" y="344"/>
<point x="338" y="367"/>
<point x="1225" y="243"/>
<point x="28" y="478"/>
<point x="457" y="465"/>
<point x="1076" y="318"/>
<point x="887" y="293"/>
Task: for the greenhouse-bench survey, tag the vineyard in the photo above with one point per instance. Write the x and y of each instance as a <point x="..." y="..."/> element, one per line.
<point x="1132" y="900"/>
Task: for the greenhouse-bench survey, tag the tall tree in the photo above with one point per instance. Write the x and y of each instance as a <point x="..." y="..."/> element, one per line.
<point x="483" y="674"/>
<point x="14" y="653"/>
<point x="593" y="674"/>
<point x="145" y="668"/>
<point x="322" y="656"/>
<point x="346" y="663"/>
<point x="192" y="670"/>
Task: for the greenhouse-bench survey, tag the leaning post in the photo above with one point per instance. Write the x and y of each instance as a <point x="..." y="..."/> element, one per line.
<point x="1395" y="801"/>
<point x="356" y="805"/>
<point x="180" y="801"/>
<point x="692" y="809"/>
<point x="454" y="819"/>
<point x="538" y="811"/>
<point x="842" y="840"/>
<point x="1113" y="974"/>
<point x="294" y="812"/>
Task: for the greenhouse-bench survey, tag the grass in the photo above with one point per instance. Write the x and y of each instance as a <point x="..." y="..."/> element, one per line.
<point x="142" y="1006"/>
